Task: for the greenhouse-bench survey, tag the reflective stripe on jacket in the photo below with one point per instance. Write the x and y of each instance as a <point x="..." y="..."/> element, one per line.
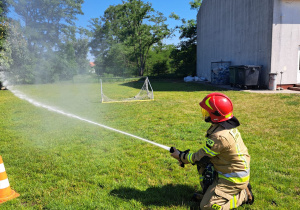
<point x="227" y="152"/>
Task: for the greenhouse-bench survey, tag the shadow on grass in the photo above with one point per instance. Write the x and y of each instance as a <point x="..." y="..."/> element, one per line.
<point x="168" y="195"/>
<point x="174" y="85"/>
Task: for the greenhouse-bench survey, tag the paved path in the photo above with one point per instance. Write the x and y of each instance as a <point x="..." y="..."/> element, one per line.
<point x="254" y="91"/>
<point x="273" y="91"/>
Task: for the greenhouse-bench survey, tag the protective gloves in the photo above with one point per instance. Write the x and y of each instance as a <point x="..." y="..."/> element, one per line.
<point x="180" y="156"/>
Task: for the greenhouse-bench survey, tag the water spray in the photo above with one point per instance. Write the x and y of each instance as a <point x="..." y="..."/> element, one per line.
<point x="52" y="109"/>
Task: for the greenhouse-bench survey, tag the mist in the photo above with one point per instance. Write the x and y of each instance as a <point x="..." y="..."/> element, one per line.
<point x="47" y="62"/>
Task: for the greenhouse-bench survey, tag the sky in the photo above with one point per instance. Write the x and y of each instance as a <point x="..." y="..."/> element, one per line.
<point x="96" y="8"/>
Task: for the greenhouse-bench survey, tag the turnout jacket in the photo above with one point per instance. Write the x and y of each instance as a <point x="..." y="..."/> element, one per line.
<point x="227" y="152"/>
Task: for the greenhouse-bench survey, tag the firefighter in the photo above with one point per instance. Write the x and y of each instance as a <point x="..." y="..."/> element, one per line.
<point x="223" y="163"/>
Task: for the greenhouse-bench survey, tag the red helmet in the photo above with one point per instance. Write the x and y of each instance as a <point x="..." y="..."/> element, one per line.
<point x="219" y="107"/>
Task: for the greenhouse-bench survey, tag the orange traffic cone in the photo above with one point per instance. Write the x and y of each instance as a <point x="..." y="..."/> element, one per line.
<point x="6" y="193"/>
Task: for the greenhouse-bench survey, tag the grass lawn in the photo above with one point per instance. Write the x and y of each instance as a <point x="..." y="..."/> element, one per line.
<point x="58" y="162"/>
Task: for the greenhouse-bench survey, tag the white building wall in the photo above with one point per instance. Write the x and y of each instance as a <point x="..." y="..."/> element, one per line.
<point x="239" y="31"/>
<point x="286" y="41"/>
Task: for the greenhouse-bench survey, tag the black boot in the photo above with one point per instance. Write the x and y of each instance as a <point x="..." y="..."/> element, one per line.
<point x="197" y="197"/>
<point x="249" y="195"/>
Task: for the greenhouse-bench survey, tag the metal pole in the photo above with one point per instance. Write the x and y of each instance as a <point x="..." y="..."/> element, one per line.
<point x="281" y="79"/>
<point x="101" y="91"/>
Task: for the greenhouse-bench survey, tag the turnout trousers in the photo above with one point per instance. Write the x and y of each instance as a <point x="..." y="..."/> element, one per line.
<point x="224" y="195"/>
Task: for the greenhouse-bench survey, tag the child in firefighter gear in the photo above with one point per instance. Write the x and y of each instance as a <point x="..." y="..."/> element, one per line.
<point x="223" y="163"/>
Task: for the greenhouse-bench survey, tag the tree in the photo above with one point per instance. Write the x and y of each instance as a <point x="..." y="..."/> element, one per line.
<point x="140" y="35"/>
<point x="185" y="56"/>
<point x="195" y="4"/>
<point x="160" y="67"/>
<point x="4" y="58"/>
<point x="133" y="25"/>
<point x="71" y="56"/>
<point x="44" y="20"/>
<point x="50" y="49"/>
<point x="22" y="62"/>
<point x="3" y="26"/>
<point x="81" y="47"/>
<point x="112" y="56"/>
<point x="159" y="60"/>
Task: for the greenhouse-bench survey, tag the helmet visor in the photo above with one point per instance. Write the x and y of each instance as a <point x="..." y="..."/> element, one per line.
<point x="205" y="113"/>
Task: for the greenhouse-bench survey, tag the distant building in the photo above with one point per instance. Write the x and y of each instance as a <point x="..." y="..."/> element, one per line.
<point x="92" y="64"/>
<point x="250" y="32"/>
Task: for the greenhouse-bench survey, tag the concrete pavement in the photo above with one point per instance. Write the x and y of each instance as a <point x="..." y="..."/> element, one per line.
<point x="254" y="91"/>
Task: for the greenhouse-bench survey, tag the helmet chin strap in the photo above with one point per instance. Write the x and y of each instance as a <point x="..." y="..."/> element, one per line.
<point x="231" y="123"/>
<point x="208" y="120"/>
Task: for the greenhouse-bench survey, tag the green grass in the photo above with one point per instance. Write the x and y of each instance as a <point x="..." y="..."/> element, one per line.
<point x="57" y="162"/>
